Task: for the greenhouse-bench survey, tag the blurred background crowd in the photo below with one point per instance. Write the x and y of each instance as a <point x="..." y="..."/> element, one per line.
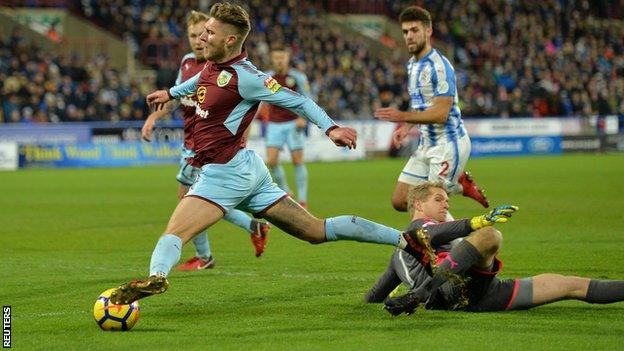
<point x="512" y="58"/>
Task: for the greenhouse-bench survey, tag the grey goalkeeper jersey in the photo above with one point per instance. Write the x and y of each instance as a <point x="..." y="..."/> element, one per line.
<point x="406" y="269"/>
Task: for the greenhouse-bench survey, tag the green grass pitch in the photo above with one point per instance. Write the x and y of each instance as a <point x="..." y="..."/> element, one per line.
<point x="68" y="235"/>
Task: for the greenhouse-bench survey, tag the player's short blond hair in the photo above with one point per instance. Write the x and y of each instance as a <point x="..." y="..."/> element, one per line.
<point x="421" y="192"/>
<point x="233" y="15"/>
<point x="196" y="17"/>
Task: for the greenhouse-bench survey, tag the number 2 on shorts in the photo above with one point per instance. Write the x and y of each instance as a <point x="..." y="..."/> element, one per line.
<point x="445" y="168"/>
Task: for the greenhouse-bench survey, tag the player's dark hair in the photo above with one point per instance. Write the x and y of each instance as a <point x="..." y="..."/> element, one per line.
<point x="233" y="15"/>
<point x="415" y="14"/>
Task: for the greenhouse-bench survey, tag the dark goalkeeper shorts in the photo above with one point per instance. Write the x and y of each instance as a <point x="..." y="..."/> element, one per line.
<point x="485" y="292"/>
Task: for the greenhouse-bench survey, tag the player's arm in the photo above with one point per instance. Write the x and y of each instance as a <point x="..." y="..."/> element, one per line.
<point x="148" y="125"/>
<point x="444" y="91"/>
<point x="257" y="86"/>
<point x="384" y="285"/>
<point x="436" y="114"/>
<point x="158" y="98"/>
<point x="500" y="214"/>
<point x="399" y="134"/>
<point x="303" y="88"/>
<point x="443" y="233"/>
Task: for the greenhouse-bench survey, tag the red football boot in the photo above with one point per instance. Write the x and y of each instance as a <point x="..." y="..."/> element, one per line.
<point x="196" y="263"/>
<point x="260" y="236"/>
<point x="471" y="189"/>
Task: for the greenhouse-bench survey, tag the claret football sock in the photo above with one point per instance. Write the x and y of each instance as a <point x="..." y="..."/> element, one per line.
<point x="202" y="245"/>
<point x="301" y="178"/>
<point x="239" y="219"/>
<point x="360" y="229"/>
<point x="166" y="254"/>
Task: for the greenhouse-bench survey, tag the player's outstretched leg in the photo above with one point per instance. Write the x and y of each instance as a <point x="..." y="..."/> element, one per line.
<point x="239" y="219"/>
<point x="471" y="190"/>
<point x="203" y="258"/>
<point x="191" y="216"/>
<point x="258" y="231"/>
<point x="279" y="176"/>
<point x="165" y="255"/>
<point x="479" y="249"/>
<point x="259" y="236"/>
<point x="138" y="289"/>
<point x="549" y="287"/>
<point x="406" y="303"/>
<point x="301" y="179"/>
<point x="296" y="221"/>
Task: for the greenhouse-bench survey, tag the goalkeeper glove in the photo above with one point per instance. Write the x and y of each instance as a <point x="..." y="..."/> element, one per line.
<point x="500" y="214"/>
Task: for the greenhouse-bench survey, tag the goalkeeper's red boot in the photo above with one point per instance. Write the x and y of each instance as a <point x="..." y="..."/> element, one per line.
<point x="260" y="236"/>
<point x="197" y="263"/>
<point x="471" y="189"/>
<point x="138" y="289"/>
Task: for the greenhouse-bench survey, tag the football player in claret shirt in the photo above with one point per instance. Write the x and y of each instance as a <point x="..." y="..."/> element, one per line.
<point x="191" y="64"/>
<point x="229" y="89"/>
<point x="286" y="128"/>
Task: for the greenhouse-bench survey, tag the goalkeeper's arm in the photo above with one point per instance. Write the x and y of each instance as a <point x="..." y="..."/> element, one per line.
<point x="500" y="214"/>
<point x="443" y="233"/>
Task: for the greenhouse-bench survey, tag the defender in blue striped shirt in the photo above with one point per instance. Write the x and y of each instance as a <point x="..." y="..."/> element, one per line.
<point x="444" y="146"/>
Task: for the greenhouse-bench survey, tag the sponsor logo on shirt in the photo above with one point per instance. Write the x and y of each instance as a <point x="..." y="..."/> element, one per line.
<point x="271" y="84"/>
<point x="425" y="75"/>
<point x="443" y="87"/>
<point x="188" y="101"/>
<point x="201" y="112"/>
<point x="224" y="78"/>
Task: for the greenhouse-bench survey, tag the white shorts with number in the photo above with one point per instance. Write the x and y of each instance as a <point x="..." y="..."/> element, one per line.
<point x="444" y="161"/>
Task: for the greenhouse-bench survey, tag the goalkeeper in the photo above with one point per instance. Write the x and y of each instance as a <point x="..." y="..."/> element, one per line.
<point x="462" y="276"/>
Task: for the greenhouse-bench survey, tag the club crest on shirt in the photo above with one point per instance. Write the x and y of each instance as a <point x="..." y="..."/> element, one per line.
<point x="271" y="84"/>
<point x="223" y="78"/>
<point x="290" y="82"/>
<point x="201" y="94"/>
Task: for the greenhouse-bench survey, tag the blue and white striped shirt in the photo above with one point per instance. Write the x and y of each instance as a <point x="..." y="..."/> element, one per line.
<point x="429" y="77"/>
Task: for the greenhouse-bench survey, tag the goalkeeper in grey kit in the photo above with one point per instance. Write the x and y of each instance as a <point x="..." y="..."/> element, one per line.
<point x="462" y="276"/>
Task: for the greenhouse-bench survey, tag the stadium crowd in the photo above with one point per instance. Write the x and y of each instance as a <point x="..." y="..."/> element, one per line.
<point x="519" y="58"/>
<point x="344" y="74"/>
<point x="39" y="86"/>
<point x="535" y="58"/>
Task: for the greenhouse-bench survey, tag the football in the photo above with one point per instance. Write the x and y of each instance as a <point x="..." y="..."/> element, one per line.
<point x="114" y="317"/>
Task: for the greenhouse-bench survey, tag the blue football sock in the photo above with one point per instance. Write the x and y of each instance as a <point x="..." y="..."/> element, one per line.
<point x="239" y="219"/>
<point x="280" y="177"/>
<point x="202" y="245"/>
<point x="301" y="178"/>
<point x="166" y="254"/>
<point x="360" y="229"/>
